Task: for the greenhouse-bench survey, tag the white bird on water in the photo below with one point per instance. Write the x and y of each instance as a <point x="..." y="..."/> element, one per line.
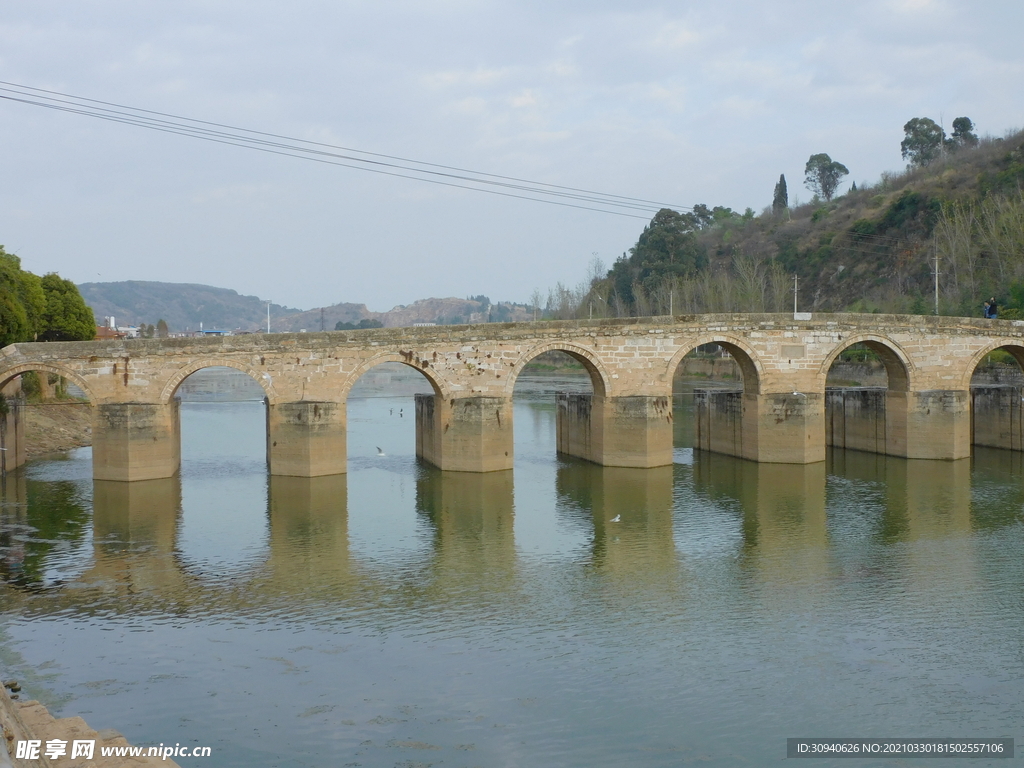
<point x="616" y="519"/>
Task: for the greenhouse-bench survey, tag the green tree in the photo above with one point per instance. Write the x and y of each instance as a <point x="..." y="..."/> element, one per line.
<point x="701" y="216"/>
<point x="360" y="326"/>
<point x="780" y="201"/>
<point x="33" y="298"/>
<point x="922" y="141"/>
<point x="162" y="331"/>
<point x="15" y="325"/>
<point x="822" y="175"/>
<point x="67" y="317"/>
<point x="667" y="248"/>
<point x="963" y="134"/>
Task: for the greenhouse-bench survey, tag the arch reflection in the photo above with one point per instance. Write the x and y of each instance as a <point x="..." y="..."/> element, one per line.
<point x="135" y="532"/>
<point x="922" y="498"/>
<point x="630" y="511"/>
<point x="783" y="508"/>
<point x="309" y="544"/>
<point x="472" y="517"/>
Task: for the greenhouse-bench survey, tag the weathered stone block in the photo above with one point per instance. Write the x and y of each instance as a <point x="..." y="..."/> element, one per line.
<point x="135" y="441"/>
<point x="307" y="439"/>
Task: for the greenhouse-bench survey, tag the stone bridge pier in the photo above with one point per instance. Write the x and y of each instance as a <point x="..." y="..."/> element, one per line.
<point x="781" y="412"/>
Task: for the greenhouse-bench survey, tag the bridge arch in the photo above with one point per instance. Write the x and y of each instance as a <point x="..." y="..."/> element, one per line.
<point x="599" y="378"/>
<point x="9" y="373"/>
<point x="439" y="385"/>
<point x="1014" y="347"/>
<point x="898" y="366"/>
<point x="744" y="355"/>
<point x="262" y="378"/>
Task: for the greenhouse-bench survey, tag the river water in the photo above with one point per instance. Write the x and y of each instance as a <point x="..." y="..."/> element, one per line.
<point x="561" y="614"/>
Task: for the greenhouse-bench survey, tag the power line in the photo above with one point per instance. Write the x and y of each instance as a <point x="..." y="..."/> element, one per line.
<point x="267" y="150"/>
<point x="389" y="165"/>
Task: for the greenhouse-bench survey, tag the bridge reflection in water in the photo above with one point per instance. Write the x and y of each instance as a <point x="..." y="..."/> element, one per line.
<point x="639" y="525"/>
<point x="711" y="594"/>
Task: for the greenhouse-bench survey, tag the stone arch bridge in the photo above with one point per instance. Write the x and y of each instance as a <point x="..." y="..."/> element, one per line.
<point x="780" y="416"/>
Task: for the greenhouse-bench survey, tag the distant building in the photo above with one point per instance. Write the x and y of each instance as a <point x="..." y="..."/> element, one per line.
<point x="423" y="325"/>
<point x="103" y="332"/>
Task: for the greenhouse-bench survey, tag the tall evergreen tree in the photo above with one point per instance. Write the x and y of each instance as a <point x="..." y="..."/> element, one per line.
<point x="667" y="248"/>
<point x="780" y="201"/>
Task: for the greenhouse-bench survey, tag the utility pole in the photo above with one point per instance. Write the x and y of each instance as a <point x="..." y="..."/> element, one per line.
<point x="670" y="312"/>
<point x="796" y="282"/>
<point x="268" y="315"/>
<point x="322" y="329"/>
<point x="936" y="257"/>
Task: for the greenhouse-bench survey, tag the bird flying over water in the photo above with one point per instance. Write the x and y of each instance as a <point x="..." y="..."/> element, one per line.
<point x="380" y="451"/>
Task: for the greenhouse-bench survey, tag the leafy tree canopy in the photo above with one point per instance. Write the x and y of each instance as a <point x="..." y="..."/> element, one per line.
<point x="822" y="175"/>
<point x="46" y="308"/>
<point x="67" y="317"/>
<point x="667" y="247"/>
<point x="963" y="134"/>
<point x="922" y="141"/>
<point x="14" y="319"/>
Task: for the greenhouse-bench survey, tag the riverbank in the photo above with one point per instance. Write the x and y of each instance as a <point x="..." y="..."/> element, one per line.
<point x="30" y="720"/>
<point x="56" y="426"/>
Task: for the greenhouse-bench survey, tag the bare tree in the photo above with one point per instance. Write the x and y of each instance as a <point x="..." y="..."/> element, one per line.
<point x="750" y="282"/>
<point x="641" y="304"/>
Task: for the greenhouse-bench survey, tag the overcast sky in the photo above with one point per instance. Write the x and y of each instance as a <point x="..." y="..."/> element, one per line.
<point x="675" y="102"/>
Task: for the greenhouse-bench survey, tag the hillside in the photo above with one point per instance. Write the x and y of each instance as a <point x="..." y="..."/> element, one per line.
<point x="183" y="305"/>
<point x="450" y="311"/>
<point x="870" y="249"/>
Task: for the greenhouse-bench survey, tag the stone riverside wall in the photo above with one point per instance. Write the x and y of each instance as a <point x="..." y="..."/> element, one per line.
<point x="23" y="721"/>
<point x="855" y="418"/>
<point x="783" y="361"/>
<point x="997" y="417"/>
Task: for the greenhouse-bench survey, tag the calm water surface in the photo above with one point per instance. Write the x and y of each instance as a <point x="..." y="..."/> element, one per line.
<point x="400" y="616"/>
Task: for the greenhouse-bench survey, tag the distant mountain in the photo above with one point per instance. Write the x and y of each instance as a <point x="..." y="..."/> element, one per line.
<point x="450" y="311"/>
<point x="183" y="305"/>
